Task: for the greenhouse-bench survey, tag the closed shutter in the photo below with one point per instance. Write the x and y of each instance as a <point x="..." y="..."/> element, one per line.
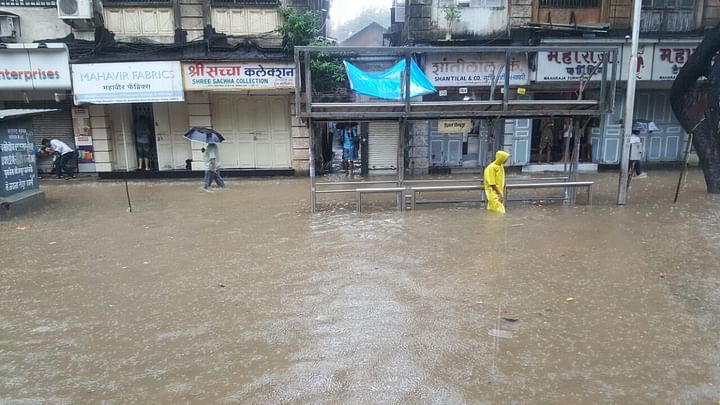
<point x="55" y="124"/>
<point x="383" y="145"/>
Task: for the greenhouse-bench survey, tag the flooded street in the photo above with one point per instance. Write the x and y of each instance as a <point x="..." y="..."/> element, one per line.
<point x="244" y="296"/>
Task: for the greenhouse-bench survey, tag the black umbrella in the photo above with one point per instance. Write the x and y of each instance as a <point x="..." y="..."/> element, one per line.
<point x="204" y="135"/>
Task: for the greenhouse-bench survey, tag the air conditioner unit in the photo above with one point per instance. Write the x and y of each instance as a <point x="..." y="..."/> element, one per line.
<point x="75" y="9"/>
<point x="9" y="26"/>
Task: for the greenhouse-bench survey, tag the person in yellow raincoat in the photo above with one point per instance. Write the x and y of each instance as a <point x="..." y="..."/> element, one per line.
<point x="494" y="180"/>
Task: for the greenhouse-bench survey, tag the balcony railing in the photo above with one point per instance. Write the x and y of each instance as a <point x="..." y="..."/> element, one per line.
<point x="569" y="3"/>
<point x="135" y="2"/>
<point x="28" y="3"/>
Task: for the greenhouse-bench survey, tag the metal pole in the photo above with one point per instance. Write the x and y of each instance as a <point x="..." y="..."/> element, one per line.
<point x="311" y="164"/>
<point x="308" y="83"/>
<point x="127" y="162"/>
<point x="684" y="168"/>
<point x="506" y="86"/>
<point x="629" y="106"/>
<point x="298" y="82"/>
<point x="685" y="160"/>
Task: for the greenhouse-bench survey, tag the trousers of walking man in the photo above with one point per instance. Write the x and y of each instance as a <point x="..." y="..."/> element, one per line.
<point x="494" y="182"/>
<point x="211" y="156"/>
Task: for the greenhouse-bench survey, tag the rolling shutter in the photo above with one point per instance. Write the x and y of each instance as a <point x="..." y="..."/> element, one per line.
<point x="56" y="124"/>
<point x="383" y="145"/>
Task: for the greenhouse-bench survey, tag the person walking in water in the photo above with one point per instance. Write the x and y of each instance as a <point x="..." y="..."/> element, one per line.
<point x="494" y="182"/>
<point x="211" y="156"/>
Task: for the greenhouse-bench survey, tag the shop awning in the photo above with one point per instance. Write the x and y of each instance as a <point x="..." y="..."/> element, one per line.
<point x="22" y="112"/>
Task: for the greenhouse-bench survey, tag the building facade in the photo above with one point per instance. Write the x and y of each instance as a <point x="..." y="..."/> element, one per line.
<point x="669" y="33"/>
<point x="151" y="70"/>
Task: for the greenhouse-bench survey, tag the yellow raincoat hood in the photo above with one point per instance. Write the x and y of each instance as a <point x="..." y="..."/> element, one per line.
<point x="501" y="157"/>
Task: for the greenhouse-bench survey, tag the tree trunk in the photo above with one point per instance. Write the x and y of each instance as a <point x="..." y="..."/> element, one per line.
<point x="696" y="105"/>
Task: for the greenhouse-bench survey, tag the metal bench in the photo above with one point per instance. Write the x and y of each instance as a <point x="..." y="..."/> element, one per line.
<point x="561" y="184"/>
<point x="397" y="190"/>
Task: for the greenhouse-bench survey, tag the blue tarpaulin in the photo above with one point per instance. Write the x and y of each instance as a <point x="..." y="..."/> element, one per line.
<point x="388" y="84"/>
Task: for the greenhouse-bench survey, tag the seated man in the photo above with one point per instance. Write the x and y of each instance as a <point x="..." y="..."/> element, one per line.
<point x="65" y="154"/>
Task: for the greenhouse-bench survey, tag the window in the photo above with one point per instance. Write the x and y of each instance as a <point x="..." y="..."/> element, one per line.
<point x="27" y="3"/>
<point x="569" y="3"/>
<point x="655" y="4"/>
<point x="473" y="3"/>
<point x="246" y="2"/>
<point x="135" y="2"/>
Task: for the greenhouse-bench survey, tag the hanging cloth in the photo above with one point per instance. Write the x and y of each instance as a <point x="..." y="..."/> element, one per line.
<point x="389" y="83"/>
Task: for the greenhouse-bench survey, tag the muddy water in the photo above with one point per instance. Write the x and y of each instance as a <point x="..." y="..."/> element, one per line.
<point x="243" y="296"/>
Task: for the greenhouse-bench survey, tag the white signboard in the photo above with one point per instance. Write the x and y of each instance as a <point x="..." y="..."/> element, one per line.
<point x="669" y="58"/>
<point x="558" y="66"/>
<point x="468" y="70"/>
<point x="644" y="60"/>
<point x="131" y="82"/>
<point x="27" y="67"/>
<point x="238" y="76"/>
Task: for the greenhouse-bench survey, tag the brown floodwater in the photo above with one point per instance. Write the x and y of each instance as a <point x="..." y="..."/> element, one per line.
<point x="244" y="296"/>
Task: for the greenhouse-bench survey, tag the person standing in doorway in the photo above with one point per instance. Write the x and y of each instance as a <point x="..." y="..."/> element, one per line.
<point x="211" y="156"/>
<point x="567" y="135"/>
<point x="494" y="182"/>
<point x="636" y="151"/>
<point x="546" y="141"/>
<point x="64" y="152"/>
<point x="143" y="133"/>
<point x="350" y="148"/>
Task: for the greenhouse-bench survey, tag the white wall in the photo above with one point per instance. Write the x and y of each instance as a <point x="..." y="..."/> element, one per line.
<point x="479" y="19"/>
<point x="38" y="23"/>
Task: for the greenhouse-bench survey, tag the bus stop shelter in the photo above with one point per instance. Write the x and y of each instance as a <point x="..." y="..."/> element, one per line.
<point x="496" y="103"/>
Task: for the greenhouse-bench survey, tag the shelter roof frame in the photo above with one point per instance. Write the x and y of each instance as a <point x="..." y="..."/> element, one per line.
<point x="412" y="109"/>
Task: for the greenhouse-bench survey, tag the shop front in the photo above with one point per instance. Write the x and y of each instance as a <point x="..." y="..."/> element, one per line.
<point x="470" y="142"/>
<point x="137" y="114"/>
<point x="250" y="104"/>
<point x="658" y="64"/>
<point x="38" y="77"/>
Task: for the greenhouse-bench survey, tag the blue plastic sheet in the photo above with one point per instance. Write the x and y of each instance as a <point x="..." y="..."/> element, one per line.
<point x="389" y="83"/>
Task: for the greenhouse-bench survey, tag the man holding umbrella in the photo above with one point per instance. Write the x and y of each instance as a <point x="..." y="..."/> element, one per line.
<point x="211" y="155"/>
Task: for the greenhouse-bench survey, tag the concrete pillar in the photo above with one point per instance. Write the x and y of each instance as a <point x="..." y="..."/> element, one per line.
<point x="299" y="135"/>
<point x="199" y="115"/>
<point x="102" y="138"/>
<point x="419" y="148"/>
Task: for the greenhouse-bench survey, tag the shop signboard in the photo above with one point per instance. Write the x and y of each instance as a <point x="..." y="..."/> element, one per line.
<point x="18" y="169"/>
<point x="132" y="82"/>
<point x="563" y="66"/>
<point x="454" y="126"/>
<point x="28" y="67"/>
<point x="224" y="76"/>
<point x="669" y="58"/>
<point x="481" y="69"/>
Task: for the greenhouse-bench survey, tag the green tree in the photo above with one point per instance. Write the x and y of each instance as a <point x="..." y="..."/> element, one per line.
<point x="300" y="29"/>
<point x="365" y="18"/>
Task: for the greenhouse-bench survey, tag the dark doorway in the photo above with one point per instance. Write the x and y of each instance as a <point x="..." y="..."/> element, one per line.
<point x="144" y="133"/>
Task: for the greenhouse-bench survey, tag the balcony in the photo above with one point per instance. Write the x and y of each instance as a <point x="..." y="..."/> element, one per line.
<point x="667" y="16"/>
<point x="246" y="3"/>
<point x="27" y="3"/>
<point x="569" y="12"/>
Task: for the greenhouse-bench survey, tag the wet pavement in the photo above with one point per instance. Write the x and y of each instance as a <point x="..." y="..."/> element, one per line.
<point x="243" y="296"/>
